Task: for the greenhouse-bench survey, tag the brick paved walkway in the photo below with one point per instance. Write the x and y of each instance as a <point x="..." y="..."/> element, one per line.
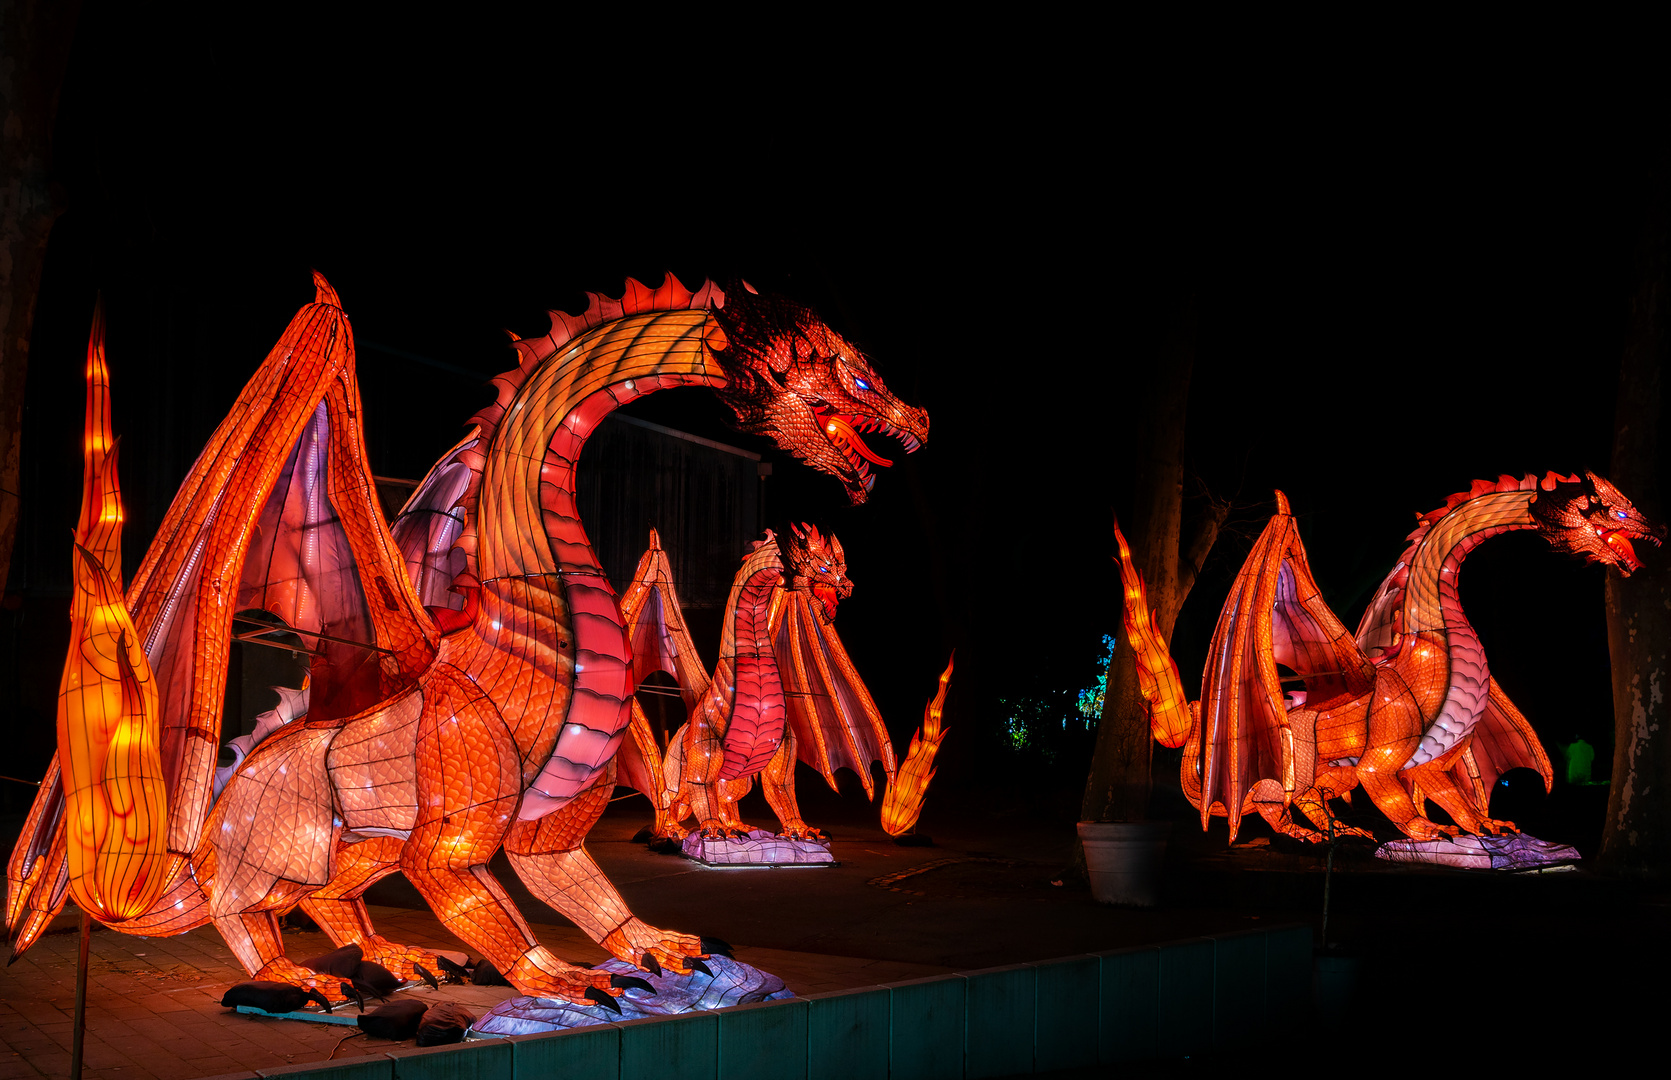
<point x="154" y="1013"/>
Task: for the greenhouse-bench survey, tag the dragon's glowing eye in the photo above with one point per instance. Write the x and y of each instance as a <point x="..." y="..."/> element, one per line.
<point x="1620" y="514"/>
<point x="861" y="384"/>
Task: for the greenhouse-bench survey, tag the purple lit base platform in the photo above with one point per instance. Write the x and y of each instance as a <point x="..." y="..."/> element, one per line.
<point x="732" y="983"/>
<point x="1516" y="851"/>
<point x="758" y="848"/>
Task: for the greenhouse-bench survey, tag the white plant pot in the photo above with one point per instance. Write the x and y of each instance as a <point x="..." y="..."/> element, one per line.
<point x="1124" y="860"/>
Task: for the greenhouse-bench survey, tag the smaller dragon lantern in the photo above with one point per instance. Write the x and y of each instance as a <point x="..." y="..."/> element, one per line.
<point x="785" y="691"/>
<point x="1405" y="708"/>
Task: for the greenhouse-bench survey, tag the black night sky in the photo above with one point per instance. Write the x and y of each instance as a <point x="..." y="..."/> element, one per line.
<point x="1399" y="291"/>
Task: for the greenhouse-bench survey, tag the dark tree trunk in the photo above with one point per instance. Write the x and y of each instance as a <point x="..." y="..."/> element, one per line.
<point x="1637" y="837"/>
<point x="1118" y="786"/>
<point x="34" y="51"/>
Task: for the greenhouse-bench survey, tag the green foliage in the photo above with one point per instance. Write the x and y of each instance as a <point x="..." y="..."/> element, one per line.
<point x="1053" y="721"/>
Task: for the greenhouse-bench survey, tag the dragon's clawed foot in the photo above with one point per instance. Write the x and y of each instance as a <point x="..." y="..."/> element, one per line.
<point x="399" y="959"/>
<point x="287" y="971"/>
<point x="539" y="973"/>
<point x="637" y="942"/>
<point x="796" y="829"/>
<point x="715" y="829"/>
<point x="1422" y="829"/>
<point x="1494" y="827"/>
<point x="1314" y="836"/>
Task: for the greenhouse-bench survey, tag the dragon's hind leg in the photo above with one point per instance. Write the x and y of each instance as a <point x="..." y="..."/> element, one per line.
<point x="1312" y="804"/>
<point x="272" y="834"/>
<point x="341" y="913"/>
<point x="777" y="780"/>
<point x="253" y="937"/>
<point x="1332" y="782"/>
<point x="550" y="860"/>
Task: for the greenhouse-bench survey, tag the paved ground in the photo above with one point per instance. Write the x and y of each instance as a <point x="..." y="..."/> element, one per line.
<point x="1448" y="957"/>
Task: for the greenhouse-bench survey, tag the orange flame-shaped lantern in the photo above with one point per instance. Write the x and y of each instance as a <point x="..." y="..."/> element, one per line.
<point x="903" y="803"/>
<point x="116" y="812"/>
<point x="1157" y="673"/>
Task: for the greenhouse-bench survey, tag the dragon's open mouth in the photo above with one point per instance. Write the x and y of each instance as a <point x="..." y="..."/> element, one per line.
<point x="828" y="598"/>
<point x="843" y="431"/>
<point x="1622" y="547"/>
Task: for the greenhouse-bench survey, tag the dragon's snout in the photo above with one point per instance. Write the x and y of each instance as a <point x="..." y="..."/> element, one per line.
<point x="1618" y="541"/>
<point x="846" y="432"/>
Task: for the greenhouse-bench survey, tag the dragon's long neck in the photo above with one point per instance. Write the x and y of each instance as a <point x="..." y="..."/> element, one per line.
<point x="1432" y="608"/>
<point x="544" y="597"/>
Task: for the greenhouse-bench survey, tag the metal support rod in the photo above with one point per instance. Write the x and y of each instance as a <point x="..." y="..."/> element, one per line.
<point x="305" y="633"/>
<point x="1328" y="876"/>
<point x="79" y="1034"/>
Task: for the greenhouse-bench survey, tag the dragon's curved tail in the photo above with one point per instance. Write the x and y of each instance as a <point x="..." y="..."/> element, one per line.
<point x="1157" y="673"/>
<point x="903" y="803"/>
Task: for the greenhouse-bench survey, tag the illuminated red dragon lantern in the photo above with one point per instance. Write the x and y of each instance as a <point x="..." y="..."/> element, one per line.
<point x="785" y="691"/>
<point x="472" y="675"/>
<point x="1406" y="708"/>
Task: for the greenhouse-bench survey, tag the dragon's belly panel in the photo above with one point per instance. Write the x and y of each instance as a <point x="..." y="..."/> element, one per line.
<point x="372" y="770"/>
<point x="756" y="728"/>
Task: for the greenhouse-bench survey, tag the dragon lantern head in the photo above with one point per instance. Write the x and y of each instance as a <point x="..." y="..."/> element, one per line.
<point x="1590" y="518"/>
<point x="796" y="380"/>
<point x="816" y="563"/>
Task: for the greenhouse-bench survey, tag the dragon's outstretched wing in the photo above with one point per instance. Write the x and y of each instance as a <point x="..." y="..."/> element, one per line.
<point x="1502" y="740"/>
<point x="428" y="527"/>
<point x="660" y="641"/>
<point x="1274" y="615"/>
<point x="656" y="626"/>
<point x="278" y="513"/>
<point x="836" y="723"/>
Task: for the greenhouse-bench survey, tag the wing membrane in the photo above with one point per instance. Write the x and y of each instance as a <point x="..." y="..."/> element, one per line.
<point x="1274" y="615"/>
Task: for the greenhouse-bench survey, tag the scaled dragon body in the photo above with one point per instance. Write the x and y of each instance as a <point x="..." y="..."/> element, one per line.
<point x="473" y="681"/>
<point x="1406" y="708"/>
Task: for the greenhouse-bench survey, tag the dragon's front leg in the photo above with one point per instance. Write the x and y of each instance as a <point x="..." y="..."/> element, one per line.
<point x="469" y="785"/>
<point x="701" y="787"/>
<point x="550" y="860"/>
<point x="1396" y="723"/>
<point x="1433" y="780"/>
